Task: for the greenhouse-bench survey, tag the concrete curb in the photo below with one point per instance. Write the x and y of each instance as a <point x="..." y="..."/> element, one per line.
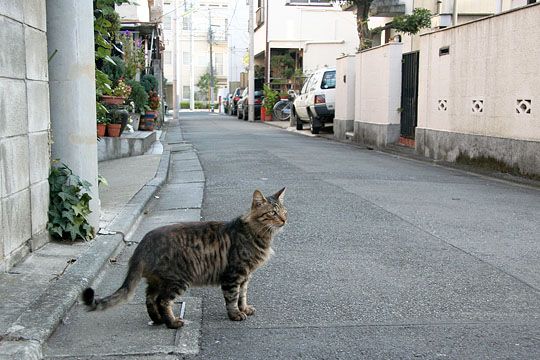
<point x="27" y="334"/>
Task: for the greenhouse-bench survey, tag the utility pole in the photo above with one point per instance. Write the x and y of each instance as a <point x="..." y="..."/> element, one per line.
<point x="211" y="41"/>
<point x="251" y="72"/>
<point x="191" y="66"/>
<point x="175" y="56"/>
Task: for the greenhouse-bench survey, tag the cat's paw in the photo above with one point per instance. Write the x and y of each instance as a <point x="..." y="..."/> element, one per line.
<point x="175" y="324"/>
<point x="237" y="316"/>
<point x="248" y="310"/>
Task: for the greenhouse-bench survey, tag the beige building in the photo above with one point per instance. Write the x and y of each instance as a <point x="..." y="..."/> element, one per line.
<point x="195" y="19"/>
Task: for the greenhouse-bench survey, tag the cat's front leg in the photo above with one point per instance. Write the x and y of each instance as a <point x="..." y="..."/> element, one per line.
<point x="242" y="300"/>
<point x="231" y="293"/>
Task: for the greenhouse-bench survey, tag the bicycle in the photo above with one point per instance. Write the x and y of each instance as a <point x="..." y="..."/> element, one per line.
<point x="282" y="110"/>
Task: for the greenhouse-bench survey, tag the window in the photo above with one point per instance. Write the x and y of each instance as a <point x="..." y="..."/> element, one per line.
<point x="186" y="24"/>
<point x="218" y="59"/>
<point x="329" y="80"/>
<point x="167" y="57"/>
<point x="186" y="92"/>
<point x="186" y="58"/>
<point x="310" y="2"/>
<point x="167" y="23"/>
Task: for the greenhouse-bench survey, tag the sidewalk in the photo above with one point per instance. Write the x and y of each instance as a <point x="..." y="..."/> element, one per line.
<point x="40" y="290"/>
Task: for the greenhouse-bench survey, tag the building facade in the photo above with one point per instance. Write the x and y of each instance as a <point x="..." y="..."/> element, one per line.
<point x="199" y="23"/>
<point x="312" y="33"/>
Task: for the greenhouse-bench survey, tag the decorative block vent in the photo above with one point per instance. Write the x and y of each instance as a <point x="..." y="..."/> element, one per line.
<point x="442" y="105"/>
<point x="478" y="106"/>
<point x="523" y="106"/>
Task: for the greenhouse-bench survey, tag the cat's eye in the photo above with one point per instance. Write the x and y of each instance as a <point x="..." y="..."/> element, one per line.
<point x="272" y="213"/>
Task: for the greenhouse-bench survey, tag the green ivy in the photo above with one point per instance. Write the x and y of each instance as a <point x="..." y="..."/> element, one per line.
<point x="69" y="205"/>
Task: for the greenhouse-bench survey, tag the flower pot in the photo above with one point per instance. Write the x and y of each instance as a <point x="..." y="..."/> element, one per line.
<point x="101" y="130"/>
<point x="113" y="130"/>
<point x="112" y="100"/>
<point x="148" y="124"/>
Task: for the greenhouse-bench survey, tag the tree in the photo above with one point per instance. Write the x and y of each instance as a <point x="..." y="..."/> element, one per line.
<point x="204" y="86"/>
<point x="410" y="24"/>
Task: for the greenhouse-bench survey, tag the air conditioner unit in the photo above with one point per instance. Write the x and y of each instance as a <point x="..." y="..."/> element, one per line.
<point x="441" y="21"/>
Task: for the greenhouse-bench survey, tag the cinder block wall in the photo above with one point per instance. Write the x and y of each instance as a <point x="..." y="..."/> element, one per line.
<point x="24" y="129"/>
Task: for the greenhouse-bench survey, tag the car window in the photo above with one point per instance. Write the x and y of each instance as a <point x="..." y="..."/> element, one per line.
<point x="312" y="81"/>
<point x="329" y="80"/>
<point x="304" y="88"/>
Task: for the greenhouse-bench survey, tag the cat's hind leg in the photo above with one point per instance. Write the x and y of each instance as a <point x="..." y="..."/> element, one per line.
<point x="152" y="292"/>
<point x="164" y="304"/>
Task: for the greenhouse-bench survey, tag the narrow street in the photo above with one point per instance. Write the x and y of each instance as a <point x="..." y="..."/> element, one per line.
<point x="383" y="257"/>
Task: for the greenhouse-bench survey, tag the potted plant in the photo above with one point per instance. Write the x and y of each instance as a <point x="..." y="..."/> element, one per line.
<point x="271" y="97"/>
<point x="152" y="111"/>
<point x="139" y="98"/>
<point x="101" y="126"/>
<point x="119" y="94"/>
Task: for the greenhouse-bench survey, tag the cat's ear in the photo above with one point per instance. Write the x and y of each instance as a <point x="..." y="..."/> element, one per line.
<point x="280" y="195"/>
<point x="258" y="199"/>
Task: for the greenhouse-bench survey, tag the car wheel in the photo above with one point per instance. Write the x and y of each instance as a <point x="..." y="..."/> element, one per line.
<point x="295" y="118"/>
<point x="314" y="129"/>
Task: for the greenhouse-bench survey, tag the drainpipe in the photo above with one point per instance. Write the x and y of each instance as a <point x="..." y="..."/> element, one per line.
<point x="498" y="6"/>
<point x="455" y="13"/>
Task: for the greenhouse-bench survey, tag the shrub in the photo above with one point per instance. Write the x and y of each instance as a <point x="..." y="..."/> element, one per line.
<point x="138" y="96"/>
<point x="114" y="71"/>
<point x="149" y="82"/>
<point x="69" y="205"/>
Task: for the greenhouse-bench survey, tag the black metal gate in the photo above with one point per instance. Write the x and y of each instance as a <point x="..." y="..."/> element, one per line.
<point x="409" y="94"/>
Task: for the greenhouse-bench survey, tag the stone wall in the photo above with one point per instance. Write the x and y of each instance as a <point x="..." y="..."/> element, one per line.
<point x="24" y="129"/>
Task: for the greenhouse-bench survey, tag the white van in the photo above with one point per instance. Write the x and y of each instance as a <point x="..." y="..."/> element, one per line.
<point x="315" y="103"/>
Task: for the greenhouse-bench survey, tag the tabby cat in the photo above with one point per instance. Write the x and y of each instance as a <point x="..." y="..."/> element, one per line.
<point x="174" y="257"/>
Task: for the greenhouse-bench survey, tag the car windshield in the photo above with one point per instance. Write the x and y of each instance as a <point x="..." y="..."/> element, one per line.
<point x="329" y="80"/>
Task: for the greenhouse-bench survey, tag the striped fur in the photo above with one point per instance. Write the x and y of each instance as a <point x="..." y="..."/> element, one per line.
<point x="173" y="258"/>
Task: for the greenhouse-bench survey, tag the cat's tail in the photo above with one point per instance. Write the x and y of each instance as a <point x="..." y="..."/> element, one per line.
<point x="122" y="294"/>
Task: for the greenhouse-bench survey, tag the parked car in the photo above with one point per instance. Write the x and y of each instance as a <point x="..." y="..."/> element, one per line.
<point x="315" y="103"/>
<point x="243" y="104"/>
<point x="236" y="96"/>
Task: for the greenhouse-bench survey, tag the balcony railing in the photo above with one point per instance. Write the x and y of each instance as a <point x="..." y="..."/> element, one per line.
<point x="259" y="16"/>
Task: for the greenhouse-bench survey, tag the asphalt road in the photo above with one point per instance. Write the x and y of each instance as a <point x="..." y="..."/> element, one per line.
<point x="383" y="257"/>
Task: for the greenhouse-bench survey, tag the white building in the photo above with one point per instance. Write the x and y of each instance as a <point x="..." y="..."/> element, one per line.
<point x="195" y="19"/>
<point x="313" y="32"/>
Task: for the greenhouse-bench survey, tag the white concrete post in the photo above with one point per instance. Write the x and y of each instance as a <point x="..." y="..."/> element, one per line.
<point x="70" y="33"/>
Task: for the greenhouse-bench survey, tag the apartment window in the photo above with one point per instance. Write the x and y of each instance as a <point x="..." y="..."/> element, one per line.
<point x="185" y="92"/>
<point x="186" y="58"/>
<point x="310" y="2"/>
<point x="167" y="24"/>
<point x="218" y="59"/>
<point x="186" y="24"/>
<point x="167" y="57"/>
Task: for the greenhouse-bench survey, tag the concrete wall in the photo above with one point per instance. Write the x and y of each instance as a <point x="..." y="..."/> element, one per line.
<point x="345" y="89"/>
<point x="378" y="95"/>
<point x="24" y="129"/>
<point x="482" y="98"/>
